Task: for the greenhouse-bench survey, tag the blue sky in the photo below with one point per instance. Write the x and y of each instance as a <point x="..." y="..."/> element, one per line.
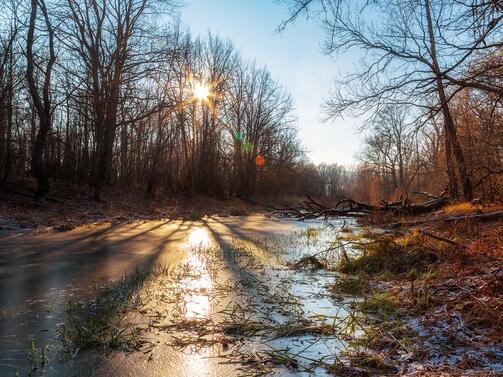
<point x="295" y="60"/>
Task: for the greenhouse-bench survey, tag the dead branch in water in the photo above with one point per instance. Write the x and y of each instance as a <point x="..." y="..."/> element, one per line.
<point x="311" y="209"/>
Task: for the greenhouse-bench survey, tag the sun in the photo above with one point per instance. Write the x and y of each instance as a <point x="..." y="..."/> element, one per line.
<point x="201" y="91"/>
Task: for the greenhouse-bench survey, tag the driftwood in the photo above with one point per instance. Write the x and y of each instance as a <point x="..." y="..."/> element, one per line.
<point x="488" y="216"/>
<point x="427" y="233"/>
<point x="312" y="209"/>
<point x="438" y="237"/>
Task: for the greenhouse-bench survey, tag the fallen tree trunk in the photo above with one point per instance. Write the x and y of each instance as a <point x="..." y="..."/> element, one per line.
<point x="488" y="216"/>
<point x="438" y="237"/>
<point x="312" y="209"/>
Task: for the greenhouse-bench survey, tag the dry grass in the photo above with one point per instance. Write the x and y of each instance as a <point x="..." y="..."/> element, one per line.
<point x="351" y="284"/>
<point x="466" y="284"/>
<point x="451" y="289"/>
<point x="475" y="273"/>
<point x="461" y="208"/>
<point x="383" y="304"/>
<point x="387" y="254"/>
<point x="377" y="363"/>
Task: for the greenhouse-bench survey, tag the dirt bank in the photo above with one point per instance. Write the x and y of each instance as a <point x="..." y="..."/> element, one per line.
<point x="434" y="294"/>
<point x="70" y="206"/>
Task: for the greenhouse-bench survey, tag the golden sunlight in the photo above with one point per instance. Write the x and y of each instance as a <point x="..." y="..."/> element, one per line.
<point x="199" y="237"/>
<point x="197" y="302"/>
<point x="201" y="91"/>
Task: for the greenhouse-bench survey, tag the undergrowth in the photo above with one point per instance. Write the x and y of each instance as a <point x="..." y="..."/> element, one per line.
<point x="388" y="255"/>
<point x="380" y="303"/>
<point x="465" y="207"/>
<point x="352" y="284"/>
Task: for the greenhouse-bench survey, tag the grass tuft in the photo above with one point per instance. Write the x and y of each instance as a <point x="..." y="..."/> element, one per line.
<point x="461" y="208"/>
<point x="382" y="304"/>
<point x="351" y="284"/>
<point x="385" y="255"/>
<point x="376" y="362"/>
<point x="312" y="231"/>
<point x="96" y="324"/>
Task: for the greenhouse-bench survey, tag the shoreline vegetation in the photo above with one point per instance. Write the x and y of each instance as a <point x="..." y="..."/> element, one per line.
<point x="430" y="297"/>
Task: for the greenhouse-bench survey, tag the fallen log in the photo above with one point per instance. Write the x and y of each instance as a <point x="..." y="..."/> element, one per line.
<point x="313" y="209"/>
<point x="438" y="237"/>
<point x="487" y="216"/>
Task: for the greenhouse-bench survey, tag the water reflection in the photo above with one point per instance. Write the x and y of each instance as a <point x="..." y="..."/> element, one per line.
<point x="197" y="288"/>
<point x="198" y="284"/>
<point x="199" y="237"/>
<point x="198" y="364"/>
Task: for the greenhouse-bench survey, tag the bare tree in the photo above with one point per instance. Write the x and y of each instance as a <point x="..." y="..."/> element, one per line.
<point x="109" y="38"/>
<point x="416" y="50"/>
<point x="259" y="112"/>
<point x="8" y="83"/>
<point x="389" y="149"/>
<point x="41" y="98"/>
<point x="118" y="106"/>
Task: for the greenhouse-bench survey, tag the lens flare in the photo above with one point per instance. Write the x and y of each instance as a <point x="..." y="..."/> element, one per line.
<point x="260" y="160"/>
<point x="247" y="147"/>
<point x="201" y="91"/>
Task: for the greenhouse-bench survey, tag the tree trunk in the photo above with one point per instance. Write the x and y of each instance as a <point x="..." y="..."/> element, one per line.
<point x="451" y="174"/>
<point x="152" y="183"/>
<point x="42" y="103"/>
<point x="3" y="132"/>
<point x="37" y="163"/>
<point x="104" y="160"/>
<point x="449" y="127"/>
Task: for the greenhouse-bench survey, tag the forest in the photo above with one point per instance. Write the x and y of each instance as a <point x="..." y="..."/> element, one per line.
<point x="100" y="95"/>
<point x="162" y="215"/>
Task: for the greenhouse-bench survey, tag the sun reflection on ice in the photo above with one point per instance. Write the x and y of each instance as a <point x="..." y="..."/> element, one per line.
<point x="198" y="290"/>
<point x="199" y="285"/>
<point x="199" y="237"/>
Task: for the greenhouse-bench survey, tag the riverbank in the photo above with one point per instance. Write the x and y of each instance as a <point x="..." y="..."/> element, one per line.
<point x="70" y="206"/>
<point x="433" y="293"/>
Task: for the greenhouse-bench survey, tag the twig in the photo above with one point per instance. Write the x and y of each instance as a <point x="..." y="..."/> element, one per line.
<point x="438" y="237"/>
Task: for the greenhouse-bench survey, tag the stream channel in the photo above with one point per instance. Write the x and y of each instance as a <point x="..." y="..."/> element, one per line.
<point x="224" y="298"/>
